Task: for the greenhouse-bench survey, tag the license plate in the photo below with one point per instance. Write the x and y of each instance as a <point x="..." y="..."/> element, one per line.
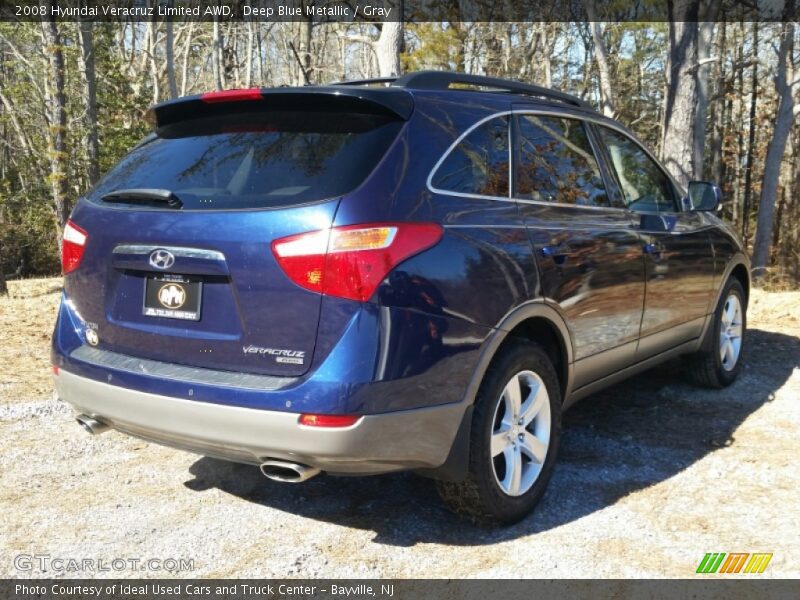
<point x="173" y="297"/>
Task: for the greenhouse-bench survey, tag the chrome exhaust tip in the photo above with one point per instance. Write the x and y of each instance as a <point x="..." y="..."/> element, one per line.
<point x="91" y="425"/>
<point x="287" y="472"/>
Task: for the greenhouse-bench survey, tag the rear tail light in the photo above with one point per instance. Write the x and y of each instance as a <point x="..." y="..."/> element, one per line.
<point x="350" y="262"/>
<point x="328" y="420"/>
<point x="232" y="96"/>
<point x="72" y="246"/>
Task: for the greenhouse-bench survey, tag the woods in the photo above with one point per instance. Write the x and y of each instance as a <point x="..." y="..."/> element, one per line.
<point x="717" y="99"/>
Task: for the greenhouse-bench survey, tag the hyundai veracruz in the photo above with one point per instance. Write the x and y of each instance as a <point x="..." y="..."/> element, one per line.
<point x="417" y="273"/>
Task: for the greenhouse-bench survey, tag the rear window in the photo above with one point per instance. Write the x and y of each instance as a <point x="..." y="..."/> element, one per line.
<point x="261" y="160"/>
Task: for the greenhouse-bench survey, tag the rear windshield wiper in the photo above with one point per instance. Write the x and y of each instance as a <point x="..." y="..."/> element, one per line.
<point x="152" y="196"/>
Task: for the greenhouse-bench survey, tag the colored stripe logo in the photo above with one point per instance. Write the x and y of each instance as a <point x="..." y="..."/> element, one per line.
<point x="734" y="562"/>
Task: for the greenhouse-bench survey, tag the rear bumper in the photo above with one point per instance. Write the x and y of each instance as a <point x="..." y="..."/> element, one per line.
<point x="409" y="439"/>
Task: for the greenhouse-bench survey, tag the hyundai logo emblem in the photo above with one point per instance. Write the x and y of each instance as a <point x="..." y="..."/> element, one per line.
<point x="162" y="259"/>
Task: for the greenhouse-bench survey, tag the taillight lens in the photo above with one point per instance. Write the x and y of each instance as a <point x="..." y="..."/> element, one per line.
<point x="328" y="420"/>
<point x="72" y="246"/>
<point x="350" y="262"/>
<point x="232" y="96"/>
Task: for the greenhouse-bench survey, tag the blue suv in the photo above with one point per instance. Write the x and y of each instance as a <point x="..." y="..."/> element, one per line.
<point x="415" y="273"/>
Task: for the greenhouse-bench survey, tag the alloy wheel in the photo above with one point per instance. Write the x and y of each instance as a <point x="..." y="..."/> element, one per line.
<point x="730" y="333"/>
<point x="521" y="433"/>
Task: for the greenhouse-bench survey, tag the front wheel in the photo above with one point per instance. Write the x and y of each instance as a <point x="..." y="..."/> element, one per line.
<point x="514" y="440"/>
<point x="719" y="366"/>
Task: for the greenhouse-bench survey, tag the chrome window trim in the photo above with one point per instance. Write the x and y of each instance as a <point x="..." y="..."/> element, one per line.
<point x="597" y="120"/>
<point x="458" y="140"/>
<point x="178" y="251"/>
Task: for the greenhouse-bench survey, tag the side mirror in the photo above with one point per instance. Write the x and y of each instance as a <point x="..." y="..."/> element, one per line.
<point x="704" y="196"/>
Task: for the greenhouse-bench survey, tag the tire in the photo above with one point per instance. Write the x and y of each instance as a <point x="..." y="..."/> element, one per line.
<point x="491" y="494"/>
<point x="719" y="366"/>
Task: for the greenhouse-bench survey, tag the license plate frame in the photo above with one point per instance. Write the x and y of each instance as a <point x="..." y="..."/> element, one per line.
<point x="172" y="296"/>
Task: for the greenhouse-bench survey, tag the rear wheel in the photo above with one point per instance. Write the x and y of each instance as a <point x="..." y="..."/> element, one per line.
<point x="719" y="366"/>
<point x="514" y="439"/>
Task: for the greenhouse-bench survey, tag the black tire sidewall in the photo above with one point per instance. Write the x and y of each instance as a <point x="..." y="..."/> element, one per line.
<point x="519" y="357"/>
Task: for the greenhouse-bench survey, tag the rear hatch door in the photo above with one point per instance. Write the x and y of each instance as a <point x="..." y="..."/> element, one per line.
<point x="178" y="264"/>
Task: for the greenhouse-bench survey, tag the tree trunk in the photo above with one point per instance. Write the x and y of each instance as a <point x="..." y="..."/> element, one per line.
<point x="387" y="49"/>
<point x="748" y="173"/>
<point x="259" y="50"/>
<point x="186" y="50"/>
<point x="87" y="68"/>
<point x="739" y="153"/>
<point x="718" y="109"/>
<point x="216" y="55"/>
<point x="601" y="56"/>
<point x="58" y="122"/>
<point x="249" y="55"/>
<point x="549" y="35"/>
<point x="303" y="72"/>
<point x="170" y="57"/>
<point x="152" y="36"/>
<point x="705" y="31"/>
<point x="777" y="145"/>
<point x="3" y="284"/>
<point x="680" y="102"/>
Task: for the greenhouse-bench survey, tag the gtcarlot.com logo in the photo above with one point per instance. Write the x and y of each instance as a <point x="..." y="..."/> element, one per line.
<point x="46" y="563"/>
<point x="734" y="562"/>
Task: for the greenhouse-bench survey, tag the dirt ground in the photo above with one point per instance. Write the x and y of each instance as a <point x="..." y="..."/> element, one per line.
<point x="653" y="474"/>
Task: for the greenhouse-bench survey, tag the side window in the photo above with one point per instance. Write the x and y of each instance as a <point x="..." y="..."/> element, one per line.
<point x="479" y="164"/>
<point x="555" y="162"/>
<point x="645" y="187"/>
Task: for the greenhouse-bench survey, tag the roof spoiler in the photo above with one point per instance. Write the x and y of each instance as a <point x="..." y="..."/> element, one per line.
<point x="394" y="103"/>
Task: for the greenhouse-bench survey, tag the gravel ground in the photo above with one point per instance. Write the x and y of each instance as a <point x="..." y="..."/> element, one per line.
<point x="653" y="474"/>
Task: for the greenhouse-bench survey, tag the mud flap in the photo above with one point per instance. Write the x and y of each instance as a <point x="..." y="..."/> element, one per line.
<point x="456" y="465"/>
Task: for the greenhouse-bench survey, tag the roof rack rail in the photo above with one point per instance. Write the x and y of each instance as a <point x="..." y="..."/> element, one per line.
<point x="442" y="80"/>
<point x="365" y="81"/>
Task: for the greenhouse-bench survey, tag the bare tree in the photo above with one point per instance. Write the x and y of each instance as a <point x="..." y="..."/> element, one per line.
<point x="216" y="55"/>
<point x="170" y="58"/>
<point x="787" y="112"/>
<point x="705" y="31"/>
<point x="748" y="172"/>
<point x="601" y="58"/>
<point x="387" y="49"/>
<point x="3" y="284"/>
<point x="677" y="147"/>
<point x="719" y="107"/>
<point x="249" y="55"/>
<point x="58" y="120"/>
<point x="187" y="49"/>
<point x="87" y="69"/>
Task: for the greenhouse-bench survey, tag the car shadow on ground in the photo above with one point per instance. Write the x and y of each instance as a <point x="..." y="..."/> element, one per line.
<point x="626" y="438"/>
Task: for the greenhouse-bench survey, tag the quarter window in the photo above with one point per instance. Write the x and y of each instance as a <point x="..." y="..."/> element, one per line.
<point x="645" y="187"/>
<point x="555" y="162"/>
<point x="479" y="163"/>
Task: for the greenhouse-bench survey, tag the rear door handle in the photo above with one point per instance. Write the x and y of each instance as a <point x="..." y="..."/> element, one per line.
<point x="654" y="249"/>
<point x="558" y="252"/>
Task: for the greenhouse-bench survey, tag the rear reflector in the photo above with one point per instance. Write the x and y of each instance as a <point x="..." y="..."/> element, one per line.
<point x="329" y="420"/>
<point x="350" y="262"/>
<point x="72" y="246"/>
<point x="232" y="96"/>
<point x="55" y="369"/>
